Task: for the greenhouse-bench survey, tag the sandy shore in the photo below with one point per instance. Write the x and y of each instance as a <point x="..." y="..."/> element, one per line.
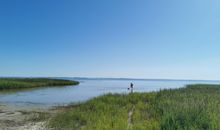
<point x="25" y="119"/>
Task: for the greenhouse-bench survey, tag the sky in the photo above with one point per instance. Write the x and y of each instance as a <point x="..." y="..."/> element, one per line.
<point x="162" y="39"/>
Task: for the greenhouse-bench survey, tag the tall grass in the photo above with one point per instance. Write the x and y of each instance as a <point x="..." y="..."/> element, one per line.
<point x="17" y="83"/>
<point x="196" y="107"/>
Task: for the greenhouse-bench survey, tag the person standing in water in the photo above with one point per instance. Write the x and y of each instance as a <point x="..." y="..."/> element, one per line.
<point x="132" y="87"/>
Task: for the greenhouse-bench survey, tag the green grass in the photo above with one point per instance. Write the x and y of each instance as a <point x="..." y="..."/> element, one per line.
<point x="21" y="83"/>
<point x="196" y="107"/>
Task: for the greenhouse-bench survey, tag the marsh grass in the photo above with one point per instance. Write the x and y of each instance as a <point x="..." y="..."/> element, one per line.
<point x="21" y="83"/>
<point x="196" y="107"/>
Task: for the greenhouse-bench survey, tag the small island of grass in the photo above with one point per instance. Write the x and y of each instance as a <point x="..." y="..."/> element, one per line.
<point x="22" y="83"/>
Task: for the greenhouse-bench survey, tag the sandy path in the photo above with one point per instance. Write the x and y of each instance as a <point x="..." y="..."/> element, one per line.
<point x="130" y="113"/>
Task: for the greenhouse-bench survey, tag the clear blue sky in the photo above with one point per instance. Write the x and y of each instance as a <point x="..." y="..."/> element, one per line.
<point x="178" y="39"/>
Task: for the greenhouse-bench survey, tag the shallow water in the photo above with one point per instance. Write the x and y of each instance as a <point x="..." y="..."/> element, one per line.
<point x="88" y="88"/>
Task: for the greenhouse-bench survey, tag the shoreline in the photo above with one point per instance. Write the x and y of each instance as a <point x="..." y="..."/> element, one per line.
<point x="135" y="110"/>
<point x="25" y="119"/>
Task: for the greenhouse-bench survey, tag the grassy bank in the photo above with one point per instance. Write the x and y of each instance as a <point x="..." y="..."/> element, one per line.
<point x="196" y="107"/>
<point x="18" y="83"/>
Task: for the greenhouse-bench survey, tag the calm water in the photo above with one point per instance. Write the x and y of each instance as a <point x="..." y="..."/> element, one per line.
<point x="53" y="96"/>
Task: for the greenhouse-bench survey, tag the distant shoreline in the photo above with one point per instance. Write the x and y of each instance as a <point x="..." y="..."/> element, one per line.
<point x="92" y="78"/>
<point x="106" y="78"/>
